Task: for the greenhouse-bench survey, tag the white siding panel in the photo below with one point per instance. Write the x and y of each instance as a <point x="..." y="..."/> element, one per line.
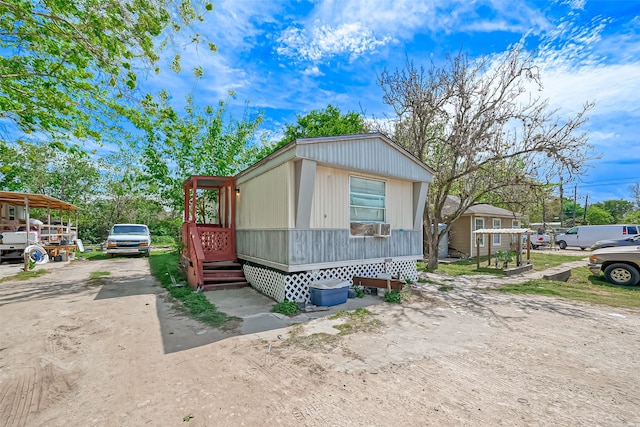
<point x="265" y="202"/>
<point x="400" y="204"/>
<point x="368" y="154"/>
<point x="330" y="206"/>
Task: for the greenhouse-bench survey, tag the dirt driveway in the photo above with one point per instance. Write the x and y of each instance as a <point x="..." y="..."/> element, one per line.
<point x="76" y="352"/>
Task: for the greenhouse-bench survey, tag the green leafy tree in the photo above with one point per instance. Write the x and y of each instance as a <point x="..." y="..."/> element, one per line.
<point x="598" y="215"/>
<point x="618" y="208"/>
<point x="480" y="127"/>
<point x="195" y="141"/>
<point x="327" y="122"/>
<point x="567" y="212"/>
<point x="39" y="168"/>
<point x="67" y="65"/>
<point x="631" y="217"/>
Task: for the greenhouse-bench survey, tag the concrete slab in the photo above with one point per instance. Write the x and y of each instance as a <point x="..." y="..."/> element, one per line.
<point x="255" y="308"/>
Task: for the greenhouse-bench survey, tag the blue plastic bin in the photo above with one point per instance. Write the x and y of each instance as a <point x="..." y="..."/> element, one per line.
<point x="329" y="292"/>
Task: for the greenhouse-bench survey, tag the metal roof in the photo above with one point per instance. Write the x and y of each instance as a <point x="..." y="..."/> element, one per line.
<point x="35" y="201"/>
<point x="484" y="209"/>
<point x="504" y="231"/>
<point x="369" y="153"/>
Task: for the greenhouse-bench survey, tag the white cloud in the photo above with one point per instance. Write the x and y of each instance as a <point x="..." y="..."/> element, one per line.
<point x="312" y="71"/>
<point x="579" y="64"/>
<point x="320" y="42"/>
<point x="359" y="27"/>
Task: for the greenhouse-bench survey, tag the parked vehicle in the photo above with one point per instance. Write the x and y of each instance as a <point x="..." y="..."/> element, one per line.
<point x="538" y="240"/>
<point x="129" y="239"/>
<point x="621" y="265"/>
<point x="585" y="236"/>
<point x="610" y="243"/>
<point x="13" y="243"/>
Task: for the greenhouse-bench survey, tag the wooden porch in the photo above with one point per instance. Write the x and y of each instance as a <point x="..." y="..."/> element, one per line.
<point x="209" y="234"/>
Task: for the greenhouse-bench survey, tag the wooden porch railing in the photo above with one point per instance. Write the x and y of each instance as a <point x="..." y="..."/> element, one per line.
<point x="204" y="243"/>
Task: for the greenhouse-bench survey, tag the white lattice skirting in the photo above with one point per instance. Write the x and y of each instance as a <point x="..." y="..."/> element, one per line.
<point x="295" y="286"/>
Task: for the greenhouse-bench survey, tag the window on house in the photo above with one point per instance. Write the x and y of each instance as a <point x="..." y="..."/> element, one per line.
<point x="367" y="200"/>
<point x="515" y="223"/>
<point x="497" y="223"/>
<point x="479" y="223"/>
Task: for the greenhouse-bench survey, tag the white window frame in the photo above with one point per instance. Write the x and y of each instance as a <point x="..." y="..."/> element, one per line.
<point x="384" y="200"/>
<point x="481" y="236"/>
<point x="515" y="223"/>
<point x="498" y="241"/>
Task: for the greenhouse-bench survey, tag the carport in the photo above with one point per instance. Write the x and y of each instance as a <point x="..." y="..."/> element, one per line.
<point x="53" y="237"/>
<point x="518" y="232"/>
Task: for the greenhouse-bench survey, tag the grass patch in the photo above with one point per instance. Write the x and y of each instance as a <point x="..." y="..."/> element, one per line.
<point x="425" y="280"/>
<point x="289" y="308"/>
<point x="359" y="320"/>
<point x="98" y="274"/>
<point x="393" y="297"/>
<point x="93" y="255"/>
<point x="581" y="286"/>
<point x="445" y="288"/>
<point x="164" y="264"/>
<point x="25" y="275"/>
<point x="543" y="261"/>
<point x="319" y="342"/>
<point x="467" y="267"/>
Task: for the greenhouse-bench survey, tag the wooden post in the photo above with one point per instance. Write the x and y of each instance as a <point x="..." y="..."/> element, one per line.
<point x="28" y="228"/>
<point x="489" y="250"/>
<point x="478" y="250"/>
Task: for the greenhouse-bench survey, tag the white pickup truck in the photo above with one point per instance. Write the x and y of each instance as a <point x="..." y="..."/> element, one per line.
<point x="13" y="243"/>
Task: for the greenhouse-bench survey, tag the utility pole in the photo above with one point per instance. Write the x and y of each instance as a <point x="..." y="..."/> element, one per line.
<point x="575" y="203"/>
<point x="586" y="205"/>
<point x="561" y="204"/>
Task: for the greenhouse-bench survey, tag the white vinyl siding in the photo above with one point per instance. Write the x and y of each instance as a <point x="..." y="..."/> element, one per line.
<point x="497" y="223"/>
<point x="330" y="206"/>
<point x="264" y="202"/>
<point x="367" y="200"/>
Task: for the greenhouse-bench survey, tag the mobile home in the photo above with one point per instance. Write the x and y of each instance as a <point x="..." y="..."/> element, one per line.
<point x="317" y="209"/>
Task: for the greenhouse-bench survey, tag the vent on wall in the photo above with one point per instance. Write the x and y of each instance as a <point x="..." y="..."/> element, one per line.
<point x="382" y="230"/>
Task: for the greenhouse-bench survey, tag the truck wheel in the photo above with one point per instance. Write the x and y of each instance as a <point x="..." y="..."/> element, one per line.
<point x="562" y="244"/>
<point x="621" y="274"/>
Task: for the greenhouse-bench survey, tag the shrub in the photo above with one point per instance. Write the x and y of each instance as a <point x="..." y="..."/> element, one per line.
<point x="393" y="296"/>
<point x="289" y="308"/>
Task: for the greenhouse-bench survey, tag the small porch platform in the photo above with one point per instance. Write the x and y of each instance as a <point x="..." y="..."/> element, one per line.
<point x="209" y="234"/>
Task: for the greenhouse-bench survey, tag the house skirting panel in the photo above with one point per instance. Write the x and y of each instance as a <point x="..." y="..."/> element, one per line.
<point x="283" y="286"/>
<point x="293" y="247"/>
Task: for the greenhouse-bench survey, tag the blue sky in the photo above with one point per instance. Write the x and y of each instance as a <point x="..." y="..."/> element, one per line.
<point x="291" y="57"/>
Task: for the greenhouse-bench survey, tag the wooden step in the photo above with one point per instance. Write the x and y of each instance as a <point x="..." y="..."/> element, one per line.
<point x="213" y="279"/>
<point x="208" y="265"/>
<point x="223" y="273"/>
<point x="221" y="286"/>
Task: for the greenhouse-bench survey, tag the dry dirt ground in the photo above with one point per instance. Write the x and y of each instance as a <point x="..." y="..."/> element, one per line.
<point x="116" y="352"/>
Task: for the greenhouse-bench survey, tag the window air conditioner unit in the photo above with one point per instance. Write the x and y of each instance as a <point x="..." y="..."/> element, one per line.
<point x="382" y="230"/>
